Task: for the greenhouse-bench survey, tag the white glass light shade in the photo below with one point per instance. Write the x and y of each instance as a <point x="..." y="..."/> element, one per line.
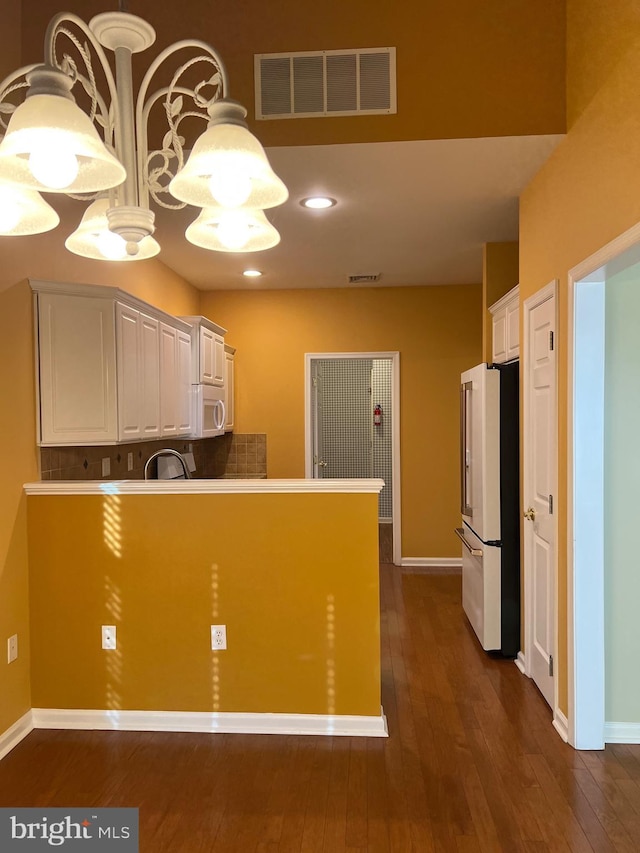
<point x="49" y="137"/>
<point x="24" y="212"/>
<point x="93" y="239"/>
<point x="224" y="230"/>
<point x="228" y="166"/>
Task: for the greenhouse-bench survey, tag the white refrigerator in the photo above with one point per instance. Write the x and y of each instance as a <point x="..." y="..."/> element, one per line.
<point x="489" y="486"/>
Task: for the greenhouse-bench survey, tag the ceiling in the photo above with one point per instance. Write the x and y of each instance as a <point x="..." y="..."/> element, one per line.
<point x="416" y="212"/>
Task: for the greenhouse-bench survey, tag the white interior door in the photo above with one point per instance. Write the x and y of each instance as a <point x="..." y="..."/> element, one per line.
<point x="539" y="494"/>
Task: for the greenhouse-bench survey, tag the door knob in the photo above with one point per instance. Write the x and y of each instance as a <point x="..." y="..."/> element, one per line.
<point x="322" y="463"/>
<point x="530" y="514"/>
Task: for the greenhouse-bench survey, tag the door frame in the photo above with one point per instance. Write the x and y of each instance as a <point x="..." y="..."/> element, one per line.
<point x="550" y="291"/>
<point x="585" y="476"/>
<point x="395" y="419"/>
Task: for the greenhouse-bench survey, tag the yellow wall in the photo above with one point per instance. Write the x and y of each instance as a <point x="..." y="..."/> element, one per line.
<point x="465" y="69"/>
<point x="301" y="608"/>
<point x="584" y="196"/>
<point x="39" y="257"/>
<point x="500" y="272"/>
<point x="437" y="331"/>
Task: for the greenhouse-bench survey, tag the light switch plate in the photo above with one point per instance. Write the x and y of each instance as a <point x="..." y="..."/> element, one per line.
<point x="106" y="466"/>
<point x="12" y="648"/>
<point x="109" y="637"/>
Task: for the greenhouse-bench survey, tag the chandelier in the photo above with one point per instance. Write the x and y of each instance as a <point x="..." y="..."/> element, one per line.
<point x="101" y="154"/>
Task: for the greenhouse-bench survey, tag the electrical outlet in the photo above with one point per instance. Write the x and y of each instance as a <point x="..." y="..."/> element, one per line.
<point x="106" y="466"/>
<point x="218" y="637"/>
<point x="12" y="648"/>
<point x="129" y="461"/>
<point x="109" y="637"/>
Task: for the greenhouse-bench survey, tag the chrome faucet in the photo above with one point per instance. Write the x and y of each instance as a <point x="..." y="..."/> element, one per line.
<point x="167" y="451"/>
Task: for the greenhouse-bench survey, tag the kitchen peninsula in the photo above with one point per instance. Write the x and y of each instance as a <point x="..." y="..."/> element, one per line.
<point x="289" y="567"/>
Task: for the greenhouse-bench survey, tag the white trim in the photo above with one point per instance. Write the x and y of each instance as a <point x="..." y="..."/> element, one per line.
<point x="587" y="729"/>
<point x="561" y="724"/>
<point x="202" y="487"/>
<point x="586" y="404"/>
<point x="105" y="291"/>
<point x="549" y="291"/>
<point x="512" y="295"/>
<point x="15" y="733"/>
<point x="622" y="732"/>
<point x="195" y="721"/>
<point x="521" y="663"/>
<point x="395" y="462"/>
<point x="446" y="563"/>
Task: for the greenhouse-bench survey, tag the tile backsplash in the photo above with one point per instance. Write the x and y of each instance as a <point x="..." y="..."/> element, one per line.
<point x="230" y="455"/>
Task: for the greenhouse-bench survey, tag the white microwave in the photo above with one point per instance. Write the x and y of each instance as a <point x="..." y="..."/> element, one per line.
<point x="208" y="410"/>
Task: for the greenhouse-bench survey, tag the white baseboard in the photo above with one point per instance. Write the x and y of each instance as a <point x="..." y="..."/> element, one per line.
<point x="561" y="724"/>
<point x="15" y="733"/>
<point x="190" y="721"/>
<point x="622" y="732"/>
<point x="443" y="564"/>
<point x="521" y="663"/>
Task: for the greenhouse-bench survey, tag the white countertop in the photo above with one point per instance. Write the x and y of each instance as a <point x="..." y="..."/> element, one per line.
<point x="202" y="487"/>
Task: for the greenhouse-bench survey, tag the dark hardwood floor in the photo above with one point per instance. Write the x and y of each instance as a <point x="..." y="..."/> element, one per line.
<point x="472" y="763"/>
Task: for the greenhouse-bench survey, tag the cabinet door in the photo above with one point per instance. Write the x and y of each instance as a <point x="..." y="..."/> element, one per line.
<point x="184" y="399"/>
<point x="168" y="381"/>
<point x="138" y="358"/>
<point x="207" y="365"/>
<point x="128" y="361"/>
<point x="499" y="345"/>
<point x="229" y="387"/>
<point x="77" y="370"/>
<point x="513" y="330"/>
<point x="149" y="333"/>
<point x="219" y="363"/>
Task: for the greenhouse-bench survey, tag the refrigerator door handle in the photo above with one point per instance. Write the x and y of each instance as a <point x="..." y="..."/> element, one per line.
<point x="465" y="453"/>
<point x="475" y="552"/>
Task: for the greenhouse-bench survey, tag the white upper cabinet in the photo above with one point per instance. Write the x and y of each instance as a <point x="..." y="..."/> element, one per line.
<point x="207" y="355"/>
<point x="110" y="367"/>
<point x="77" y="370"/>
<point x="184" y="371"/>
<point x="168" y="380"/>
<point x="506" y="327"/>
<point x="138" y="360"/>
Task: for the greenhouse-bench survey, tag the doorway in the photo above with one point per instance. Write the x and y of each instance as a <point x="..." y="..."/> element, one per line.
<point x="603" y="470"/>
<point x="352" y="414"/>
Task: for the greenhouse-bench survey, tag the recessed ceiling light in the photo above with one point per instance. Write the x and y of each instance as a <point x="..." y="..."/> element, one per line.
<point x="318" y="202"/>
<point x="252" y="273"/>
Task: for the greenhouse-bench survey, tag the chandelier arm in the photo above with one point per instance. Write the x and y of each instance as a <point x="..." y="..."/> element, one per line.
<point x="10" y="84"/>
<point x="54" y="29"/>
<point x="144" y="103"/>
<point x="145" y="156"/>
<point x="105" y="121"/>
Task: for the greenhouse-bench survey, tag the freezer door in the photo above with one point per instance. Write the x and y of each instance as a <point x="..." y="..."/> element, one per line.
<point x="480" y="451"/>
<point x="481" y="599"/>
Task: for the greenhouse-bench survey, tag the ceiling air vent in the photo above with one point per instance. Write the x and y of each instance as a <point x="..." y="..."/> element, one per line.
<point x="364" y="279"/>
<point x="326" y="83"/>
